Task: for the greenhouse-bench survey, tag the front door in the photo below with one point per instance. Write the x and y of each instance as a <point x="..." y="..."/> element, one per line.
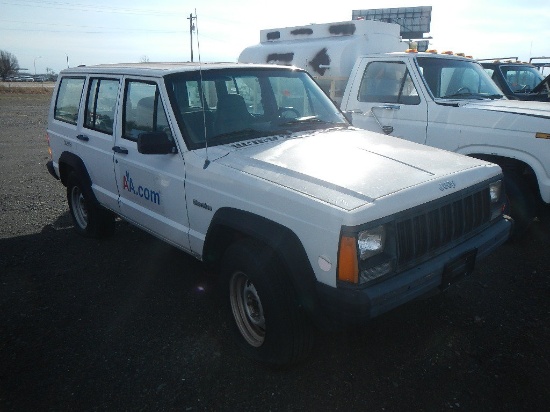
<point x="151" y="186"/>
<point x="386" y="100"/>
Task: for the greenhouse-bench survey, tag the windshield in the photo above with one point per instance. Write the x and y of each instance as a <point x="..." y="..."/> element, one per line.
<point x="457" y="79"/>
<point x="521" y="79"/>
<point x="231" y="105"/>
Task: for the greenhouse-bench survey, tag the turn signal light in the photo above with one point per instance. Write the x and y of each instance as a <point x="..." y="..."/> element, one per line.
<point x="49" y="148"/>
<point x="348" y="268"/>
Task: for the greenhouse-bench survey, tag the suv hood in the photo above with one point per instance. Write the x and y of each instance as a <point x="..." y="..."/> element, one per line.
<point x="345" y="168"/>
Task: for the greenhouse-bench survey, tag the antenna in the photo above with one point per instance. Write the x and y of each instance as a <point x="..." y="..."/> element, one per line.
<point x="203" y="102"/>
<point x="191" y="28"/>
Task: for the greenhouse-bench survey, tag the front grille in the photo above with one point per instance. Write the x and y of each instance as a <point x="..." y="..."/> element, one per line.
<point x="425" y="232"/>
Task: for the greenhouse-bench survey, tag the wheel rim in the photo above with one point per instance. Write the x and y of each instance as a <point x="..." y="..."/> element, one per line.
<point x="80" y="211"/>
<point x="247" y="309"/>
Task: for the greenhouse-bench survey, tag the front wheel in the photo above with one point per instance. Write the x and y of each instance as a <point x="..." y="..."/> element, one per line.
<point x="89" y="219"/>
<point x="520" y="205"/>
<point x="268" y="323"/>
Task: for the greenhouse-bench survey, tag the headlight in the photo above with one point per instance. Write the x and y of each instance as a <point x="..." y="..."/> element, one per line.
<point x="495" y="191"/>
<point x="366" y="255"/>
<point x="371" y="242"/>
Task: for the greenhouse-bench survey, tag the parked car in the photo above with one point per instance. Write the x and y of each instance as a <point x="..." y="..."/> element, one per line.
<point x="253" y="170"/>
<point x="517" y="80"/>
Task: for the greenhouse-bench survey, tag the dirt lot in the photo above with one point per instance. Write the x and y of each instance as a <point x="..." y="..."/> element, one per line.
<point x="132" y="324"/>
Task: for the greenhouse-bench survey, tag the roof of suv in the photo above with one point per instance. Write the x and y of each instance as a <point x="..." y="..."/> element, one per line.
<point x="156" y="69"/>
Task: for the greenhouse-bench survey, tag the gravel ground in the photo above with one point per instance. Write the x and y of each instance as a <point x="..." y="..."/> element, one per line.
<point x="130" y="323"/>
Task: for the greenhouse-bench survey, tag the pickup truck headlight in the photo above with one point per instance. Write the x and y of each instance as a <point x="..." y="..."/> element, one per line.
<point x="496" y="195"/>
<point x="366" y="255"/>
<point x="495" y="191"/>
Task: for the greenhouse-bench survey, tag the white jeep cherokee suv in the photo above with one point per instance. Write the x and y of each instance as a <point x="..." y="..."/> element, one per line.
<point x="254" y="170"/>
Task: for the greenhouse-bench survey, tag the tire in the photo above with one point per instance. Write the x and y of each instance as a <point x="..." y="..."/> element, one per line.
<point x="89" y="219"/>
<point x="520" y="205"/>
<point x="264" y="316"/>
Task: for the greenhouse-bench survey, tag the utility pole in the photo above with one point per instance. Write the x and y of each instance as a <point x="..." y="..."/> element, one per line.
<point x="191" y="30"/>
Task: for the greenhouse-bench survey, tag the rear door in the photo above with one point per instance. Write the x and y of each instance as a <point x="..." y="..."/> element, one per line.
<point x="96" y="136"/>
<point x="83" y="123"/>
<point x="151" y="186"/>
<point x="385" y="97"/>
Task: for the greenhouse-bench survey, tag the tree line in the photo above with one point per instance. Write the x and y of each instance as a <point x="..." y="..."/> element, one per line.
<point x="8" y="64"/>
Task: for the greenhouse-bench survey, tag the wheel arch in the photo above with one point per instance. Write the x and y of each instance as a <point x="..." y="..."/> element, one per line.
<point x="512" y="166"/>
<point x="71" y="162"/>
<point x="229" y="225"/>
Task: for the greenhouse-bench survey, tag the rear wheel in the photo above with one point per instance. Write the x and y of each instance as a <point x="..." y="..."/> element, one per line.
<point x="266" y="319"/>
<point x="89" y="219"/>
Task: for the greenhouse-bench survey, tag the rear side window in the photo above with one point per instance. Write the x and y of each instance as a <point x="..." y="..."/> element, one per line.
<point x="143" y="110"/>
<point x="68" y="99"/>
<point x="100" y="105"/>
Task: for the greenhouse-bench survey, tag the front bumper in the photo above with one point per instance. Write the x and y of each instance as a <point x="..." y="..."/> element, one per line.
<point x="342" y="305"/>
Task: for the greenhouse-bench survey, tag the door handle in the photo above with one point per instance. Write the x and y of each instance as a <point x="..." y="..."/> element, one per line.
<point x="387" y="129"/>
<point x="121" y="150"/>
<point x="389" y="107"/>
<point x="83" y="137"/>
<point x="354" y="111"/>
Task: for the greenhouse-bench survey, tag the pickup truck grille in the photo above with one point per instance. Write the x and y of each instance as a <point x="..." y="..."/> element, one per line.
<point x="422" y="233"/>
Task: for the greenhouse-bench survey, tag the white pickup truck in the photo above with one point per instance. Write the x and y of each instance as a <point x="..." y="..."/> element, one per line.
<point x="441" y="100"/>
<point x="450" y="102"/>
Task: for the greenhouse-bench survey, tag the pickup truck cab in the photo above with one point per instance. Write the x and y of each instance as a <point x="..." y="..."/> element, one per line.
<point x="450" y="102"/>
<point x="517" y="80"/>
<point x="253" y="170"/>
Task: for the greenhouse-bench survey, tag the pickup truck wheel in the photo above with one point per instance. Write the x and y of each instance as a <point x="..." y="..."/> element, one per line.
<point x="520" y="204"/>
<point x="88" y="219"/>
<point x="267" y="322"/>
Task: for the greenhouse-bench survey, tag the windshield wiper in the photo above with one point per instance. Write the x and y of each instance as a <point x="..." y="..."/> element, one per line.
<point x="469" y="95"/>
<point x="463" y="95"/>
<point x="307" y="120"/>
<point x="237" y="134"/>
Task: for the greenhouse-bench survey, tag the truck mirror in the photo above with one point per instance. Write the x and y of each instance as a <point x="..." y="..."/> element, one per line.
<point x="349" y="116"/>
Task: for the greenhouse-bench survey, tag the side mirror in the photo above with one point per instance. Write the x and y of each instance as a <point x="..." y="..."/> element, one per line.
<point x="155" y="143"/>
<point x="348" y="114"/>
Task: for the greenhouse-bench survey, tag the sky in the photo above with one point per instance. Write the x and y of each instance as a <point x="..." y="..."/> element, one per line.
<point x="52" y="34"/>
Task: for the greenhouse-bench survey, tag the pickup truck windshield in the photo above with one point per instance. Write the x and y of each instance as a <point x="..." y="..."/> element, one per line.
<point x="521" y="78"/>
<point x="457" y="79"/>
<point x="231" y="105"/>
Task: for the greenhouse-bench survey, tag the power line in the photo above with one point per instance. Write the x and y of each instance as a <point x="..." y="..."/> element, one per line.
<point x="86" y="7"/>
<point x="79" y="27"/>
